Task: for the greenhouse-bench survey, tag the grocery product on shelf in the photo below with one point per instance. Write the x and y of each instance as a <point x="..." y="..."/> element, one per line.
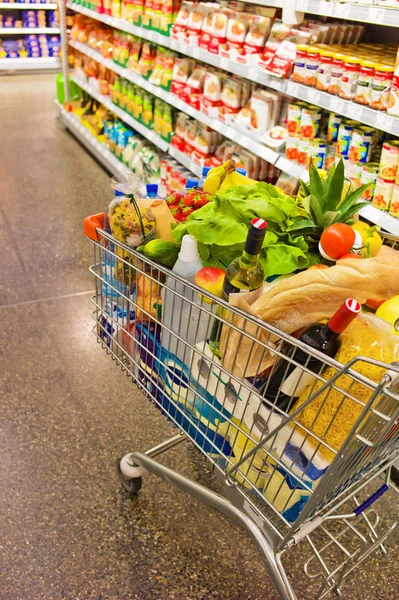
<point x="31" y="46"/>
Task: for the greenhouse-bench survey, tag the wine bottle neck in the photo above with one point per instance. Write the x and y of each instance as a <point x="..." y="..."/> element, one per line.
<point x="248" y="261"/>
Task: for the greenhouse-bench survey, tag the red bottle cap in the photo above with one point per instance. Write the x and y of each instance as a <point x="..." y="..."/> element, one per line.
<point x="344" y="315"/>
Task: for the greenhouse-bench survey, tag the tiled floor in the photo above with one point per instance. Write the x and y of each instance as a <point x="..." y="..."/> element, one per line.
<point x="67" y="530"/>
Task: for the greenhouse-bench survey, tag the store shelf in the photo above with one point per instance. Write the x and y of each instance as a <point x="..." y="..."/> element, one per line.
<point x="27" y="5"/>
<point x="100" y="151"/>
<point x="375" y="15"/>
<point x="383" y="219"/>
<point x="186" y="161"/>
<point x="241" y="138"/>
<point x="355" y="111"/>
<point x="352" y="110"/>
<point x="29" y="64"/>
<point x="124" y="116"/>
<point x="27" y="30"/>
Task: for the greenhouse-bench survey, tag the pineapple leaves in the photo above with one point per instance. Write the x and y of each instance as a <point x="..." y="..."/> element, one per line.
<point x="317" y="187"/>
<point x="316" y="211"/>
<point x="305" y="188"/>
<point x="352" y="198"/>
<point x="345" y="217"/>
<point x="334" y="186"/>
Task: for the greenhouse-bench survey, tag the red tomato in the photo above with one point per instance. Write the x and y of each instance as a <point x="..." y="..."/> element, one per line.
<point x="350" y="255"/>
<point x="337" y="240"/>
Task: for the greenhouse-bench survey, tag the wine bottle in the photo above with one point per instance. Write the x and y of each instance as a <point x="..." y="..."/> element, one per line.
<point x="244" y="274"/>
<point x="288" y="381"/>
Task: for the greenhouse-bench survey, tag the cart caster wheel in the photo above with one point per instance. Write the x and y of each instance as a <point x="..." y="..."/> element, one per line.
<point x="131" y="486"/>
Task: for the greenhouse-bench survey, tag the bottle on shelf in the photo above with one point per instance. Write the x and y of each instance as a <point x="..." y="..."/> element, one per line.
<point x="181" y="312"/>
<point x="288" y="381"/>
<point x="244" y="274"/>
<point x="192" y="184"/>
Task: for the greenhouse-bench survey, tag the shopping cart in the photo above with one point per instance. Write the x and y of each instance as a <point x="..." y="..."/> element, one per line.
<point x="284" y="483"/>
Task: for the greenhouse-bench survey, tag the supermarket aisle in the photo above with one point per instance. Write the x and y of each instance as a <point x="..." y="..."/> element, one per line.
<point x="66" y="413"/>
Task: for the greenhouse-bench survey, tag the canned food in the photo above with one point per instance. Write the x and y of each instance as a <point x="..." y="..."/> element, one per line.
<point x="323" y="76"/>
<point x="361" y="142"/>
<point x="393" y="102"/>
<point x="357" y="173"/>
<point x="397" y="177"/>
<point x="310" y="122"/>
<point x="337" y="70"/>
<point x="299" y="67"/>
<point x="330" y="156"/>
<point x="383" y="193"/>
<point x="312" y="66"/>
<point x="317" y="153"/>
<point x="394" y="207"/>
<point x="291" y="148"/>
<point x="303" y="149"/>
<point x="381" y="87"/>
<point x="365" y="82"/>
<point x="294" y="118"/>
<point x="369" y="175"/>
<point x="334" y="121"/>
<point x="389" y="161"/>
<point x="344" y="138"/>
<point x="348" y="82"/>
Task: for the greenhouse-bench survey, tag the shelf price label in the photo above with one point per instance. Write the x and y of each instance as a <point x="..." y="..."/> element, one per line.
<point x="376" y="15"/>
<point x="303" y="5"/>
<point x="342" y="10"/>
<point x="384" y="122"/>
<point x="328" y="8"/>
<point x="354" y="111"/>
<point x="337" y="105"/>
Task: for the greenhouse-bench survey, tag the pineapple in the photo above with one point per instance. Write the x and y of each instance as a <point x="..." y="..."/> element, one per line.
<point x="325" y="202"/>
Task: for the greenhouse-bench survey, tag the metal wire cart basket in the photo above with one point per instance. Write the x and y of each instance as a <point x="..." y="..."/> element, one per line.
<point x="284" y="476"/>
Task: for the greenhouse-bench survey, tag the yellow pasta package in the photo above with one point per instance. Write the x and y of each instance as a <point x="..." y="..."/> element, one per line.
<point x="331" y="415"/>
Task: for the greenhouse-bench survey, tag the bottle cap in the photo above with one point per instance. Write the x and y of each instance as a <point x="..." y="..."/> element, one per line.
<point x="344" y="315"/>
<point x="255" y="237"/>
<point x="189" y="249"/>
<point x="191" y="183"/>
<point x="152" y="188"/>
<point x="242" y="171"/>
<point x="205" y="171"/>
<point x="118" y="193"/>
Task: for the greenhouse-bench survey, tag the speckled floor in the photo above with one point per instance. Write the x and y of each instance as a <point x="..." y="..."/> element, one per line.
<point x="68" y="532"/>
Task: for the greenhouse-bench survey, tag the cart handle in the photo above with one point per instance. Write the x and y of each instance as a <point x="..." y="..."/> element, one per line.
<point x="91" y="224"/>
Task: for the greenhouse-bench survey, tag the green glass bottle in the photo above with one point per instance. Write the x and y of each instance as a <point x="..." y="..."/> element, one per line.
<point x="245" y="274"/>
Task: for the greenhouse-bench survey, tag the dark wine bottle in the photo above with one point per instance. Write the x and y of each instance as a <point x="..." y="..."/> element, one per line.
<point x="288" y="381"/>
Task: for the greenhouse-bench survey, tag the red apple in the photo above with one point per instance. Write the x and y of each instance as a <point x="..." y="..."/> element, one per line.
<point x="210" y="279"/>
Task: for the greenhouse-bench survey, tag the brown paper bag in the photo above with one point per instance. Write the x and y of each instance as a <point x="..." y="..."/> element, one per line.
<point x="305" y="298"/>
<point x="163" y="217"/>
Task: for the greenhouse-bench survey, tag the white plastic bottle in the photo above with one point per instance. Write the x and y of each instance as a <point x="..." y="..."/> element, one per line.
<point x="179" y="315"/>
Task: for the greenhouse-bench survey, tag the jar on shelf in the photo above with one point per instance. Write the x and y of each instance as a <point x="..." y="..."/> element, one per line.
<point x="381" y="87"/>
<point x="365" y="82"/>
<point x="299" y="66"/>
<point x="323" y="77"/>
<point x="337" y="70"/>
<point x="312" y="66"/>
<point x="350" y="77"/>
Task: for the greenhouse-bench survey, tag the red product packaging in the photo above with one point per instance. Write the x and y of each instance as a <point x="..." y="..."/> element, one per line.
<point x="259" y="28"/>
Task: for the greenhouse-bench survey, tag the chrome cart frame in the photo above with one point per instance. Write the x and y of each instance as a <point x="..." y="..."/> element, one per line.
<point x="284" y="479"/>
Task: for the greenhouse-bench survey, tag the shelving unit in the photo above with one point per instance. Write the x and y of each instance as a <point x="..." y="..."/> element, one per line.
<point x="100" y="151"/>
<point x="26" y="5"/>
<point x="27" y="30"/>
<point x="229" y="132"/>
<point x="352" y="110"/>
<point x="375" y="15"/>
<point x="29" y="64"/>
<point x="363" y="114"/>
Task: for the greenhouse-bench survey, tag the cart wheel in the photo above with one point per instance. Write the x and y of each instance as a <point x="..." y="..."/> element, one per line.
<point x="131" y="486"/>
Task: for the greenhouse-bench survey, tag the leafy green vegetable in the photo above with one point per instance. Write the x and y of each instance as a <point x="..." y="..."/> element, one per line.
<point x="221" y="228"/>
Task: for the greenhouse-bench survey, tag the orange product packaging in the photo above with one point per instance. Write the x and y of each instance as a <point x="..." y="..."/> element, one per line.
<point x="389" y="162"/>
<point x="181" y="22"/>
<point x="181" y="71"/>
<point x="194" y="23"/>
<point x="193" y="89"/>
<point x="237" y="26"/>
<point x="258" y="29"/>
<point x="383" y="193"/>
<point x="210" y="100"/>
<point x="148" y="13"/>
<point x="219" y="29"/>
<point x="137" y="11"/>
<point x="230" y="97"/>
<point x="206" y="28"/>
